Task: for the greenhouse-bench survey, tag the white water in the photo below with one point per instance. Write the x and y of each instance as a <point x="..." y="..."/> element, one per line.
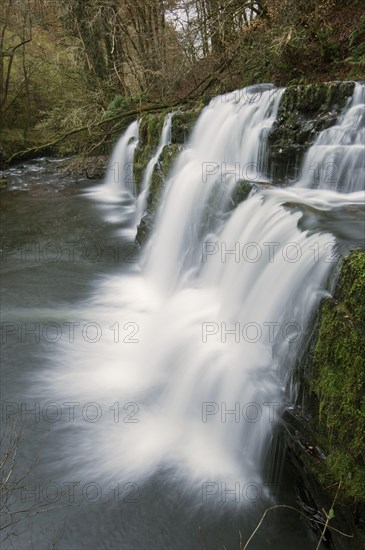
<point x="337" y="158"/>
<point x="228" y="144"/>
<point x="176" y="358"/>
<point x="165" y="139"/>
<point x="116" y="195"/>
<point x="119" y="176"/>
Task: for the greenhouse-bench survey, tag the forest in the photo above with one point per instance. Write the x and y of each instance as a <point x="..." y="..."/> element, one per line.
<point x="74" y="69"/>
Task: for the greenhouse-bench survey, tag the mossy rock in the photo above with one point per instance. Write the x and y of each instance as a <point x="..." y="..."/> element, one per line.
<point x="160" y="174"/>
<point x="183" y="123"/>
<point x="338" y="380"/>
<point x="159" y="178"/>
<point x="324" y="435"/>
<point x="241" y="192"/>
<point x="150" y="129"/>
<point x="150" y="132"/>
<point x="304" y="111"/>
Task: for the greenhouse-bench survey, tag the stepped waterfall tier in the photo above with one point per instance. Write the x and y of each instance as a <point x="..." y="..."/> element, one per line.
<point x="336" y="160"/>
<point x="120" y="168"/>
<point x="147" y="177"/>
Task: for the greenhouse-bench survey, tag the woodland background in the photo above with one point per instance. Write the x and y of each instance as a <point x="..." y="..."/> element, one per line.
<point x="67" y="65"/>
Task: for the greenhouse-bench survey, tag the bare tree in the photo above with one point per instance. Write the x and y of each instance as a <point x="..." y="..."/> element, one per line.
<point x="10" y="44"/>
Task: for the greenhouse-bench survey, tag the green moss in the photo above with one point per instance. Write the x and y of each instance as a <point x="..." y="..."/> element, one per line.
<point x="149" y="135"/>
<point x="182" y="124"/>
<point x="357" y="50"/>
<point x="159" y="177"/>
<point x="304" y="111"/>
<point x="241" y="192"/>
<point x="160" y="174"/>
<point x="168" y="157"/>
<point x="338" y="380"/>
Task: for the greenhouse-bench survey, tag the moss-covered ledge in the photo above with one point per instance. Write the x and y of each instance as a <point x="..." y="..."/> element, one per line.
<point x="303" y="112"/>
<point x="325" y="438"/>
<point x="159" y="178"/>
<point x="150" y="129"/>
<point x="149" y="136"/>
<point x="338" y="380"/>
<point x="150" y="132"/>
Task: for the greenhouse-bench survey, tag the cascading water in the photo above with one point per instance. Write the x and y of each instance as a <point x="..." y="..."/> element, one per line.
<point x="228" y="144"/>
<point x="212" y="319"/>
<point x="117" y="193"/>
<point x="337" y="158"/>
<point x="119" y="177"/>
<point x="165" y="139"/>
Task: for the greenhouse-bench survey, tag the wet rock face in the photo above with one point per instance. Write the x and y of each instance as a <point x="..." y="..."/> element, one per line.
<point x="338" y="379"/>
<point x="303" y="112"/>
<point x="150" y="129"/>
<point x="149" y="136"/>
<point x="325" y="438"/>
<point x="159" y="178"/>
<point x="182" y="125"/>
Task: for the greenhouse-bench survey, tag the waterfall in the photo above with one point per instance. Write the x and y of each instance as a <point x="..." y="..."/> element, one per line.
<point x="165" y="139"/>
<point x="119" y="177"/>
<point x="228" y="145"/>
<point x="337" y="158"/>
<point x="214" y="316"/>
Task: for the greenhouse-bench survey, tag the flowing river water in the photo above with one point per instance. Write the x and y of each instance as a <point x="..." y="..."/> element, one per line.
<point x="149" y="382"/>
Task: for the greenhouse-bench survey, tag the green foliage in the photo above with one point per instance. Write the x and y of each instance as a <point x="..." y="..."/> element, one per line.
<point x="339" y="379"/>
<point x="118" y="104"/>
<point x="357" y="37"/>
<point x="84" y="67"/>
<point x="149" y="134"/>
<point x="58" y="98"/>
<point x="357" y="49"/>
<point x="182" y="124"/>
<point x="12" y="140"/>
<point x="300" y="42"/>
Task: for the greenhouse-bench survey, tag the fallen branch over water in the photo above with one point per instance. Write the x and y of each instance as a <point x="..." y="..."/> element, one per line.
<point x="189" y="98"/>
<point x="89" y="127"/>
